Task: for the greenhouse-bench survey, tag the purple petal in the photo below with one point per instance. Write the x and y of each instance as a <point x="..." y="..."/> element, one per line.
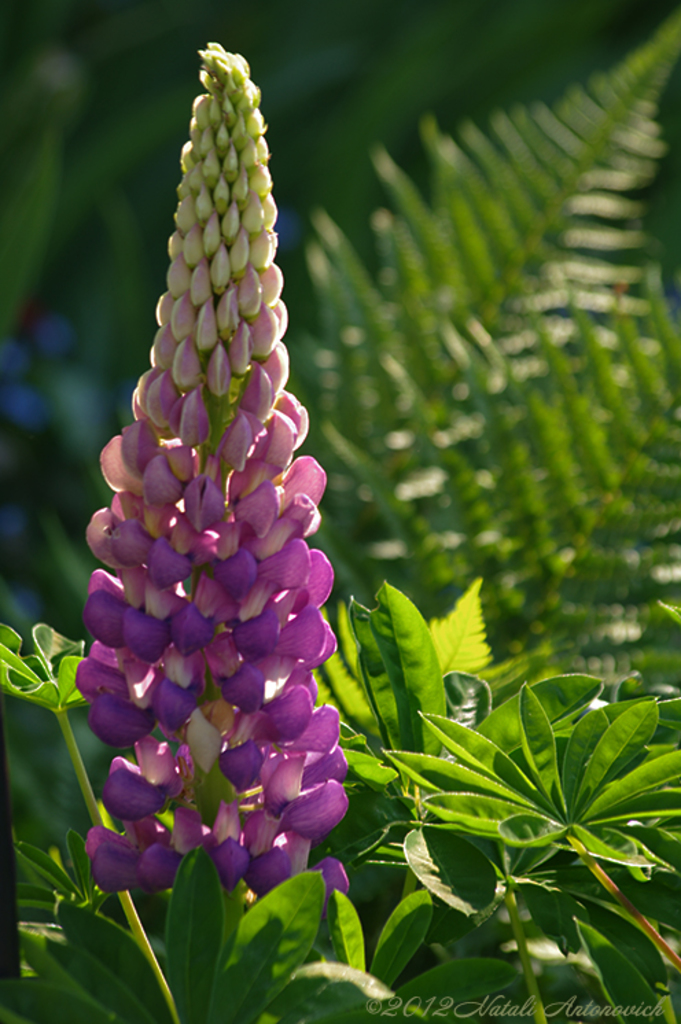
<point x="232" y="860"/>
<point x="297" y="848"/>
<point x="268" y="870"/>
<point x="289" y="567"/>
<point x="103" y="616"/>
<point x="119" y="722"/>
<point x="277" y="367"/>
<point x="157" y="867"/>
<point x="194" y="423"/>
<point x="172" y="705"/>
<point x="166" y="566"/>
<point x="334" y="877"/>
<point x="237" y="574"/>
<point x="320" y="583"/>
<point x="258" y="395"/>
<point x="256" y="638"/>
<point x="222" y="656"/>
<point x="259" y="832"/>
<point x="190" y="630"/>
<point x="227" y="824"/>
<point x="114" y="866"/>
<point x="139" y="446"/>
<point x="114" y="470"/>
<point x="160" y="485"/>
<point x="130" y="543"/>
<point x="129" y="796"/>
<point x="284" y="784"/>
<point x="188" y="830"/>
<point x="214" y="602"/>
<point x="204" y="502"/>
<point x="245" y="689"/>
<point x="321" y="735"/>
<point x="241" y="764"/>
<point x="304" y="511"/>
<point x="259" y="509"/>
<point x="146" y="636"/>
<point x="282" y="439"/>
<point x="236" y="442"/>
<point x="94" y="678"/>
<point x="305" y="476"/>
<point x="304" y="637"/>
<point x="328" y="766"/>
<point x="315" y="812"/>
<point x="98" y="536"/>
<point x="158" y="766"/>
<point x="290" y="712"/>
<point x="330" y="645"/>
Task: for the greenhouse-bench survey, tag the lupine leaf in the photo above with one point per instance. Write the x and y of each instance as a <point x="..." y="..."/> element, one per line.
<point x="469" y="699"/>
<point x="623" y="983"/>
<point x="451" y="868"/>
<point x="554" y="912"/>
<point x="272" y="940"/>
<point x="647" y="776"/>
<point x="581" y="745"/>
<point x="318" y="989"/>
<point x="43" y="1003"/>
<point x="539" y="746"/>
<point x="459" y="638"/>
<point x="402" y="934"/>
<point x="194" y="935"/>
<point x="345" y="929"/>
<point x="561" y="697"/>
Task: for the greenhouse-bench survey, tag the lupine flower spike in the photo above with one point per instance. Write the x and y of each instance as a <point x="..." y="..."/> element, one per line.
<point x="209" y="626"/>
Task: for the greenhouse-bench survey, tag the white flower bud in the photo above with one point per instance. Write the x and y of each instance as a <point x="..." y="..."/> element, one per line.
<point x="240" y="350"/>
<point x="221" y="195"/>
<point x="183" y="317"/>
<point x="220" y="269"/>
<point x="214" y="113"/>
<point x="252" y="215"/>
<point x="203" y="205"/>
<point x="175" y="245"/>
<point x="263" y="149"/>
<point x="193" y="246"/>
<point x="238" y="254"/>
<point x="206" y="327"/>
<point x="227" y="313"/>
<point x="207" y="141"/>
<point x="186" y="365"/>
<point x="262" y="249"/>
<point x="211" y="235"/>
<point x="163" y="349"/>
<point x="200" y="110"/>
<point x="211" y="168"/>
<point x="164" y="309"/>
<point x="185" y="218"/>
<point x="231" y="223"/>
<point x="272" y="281"/>
<point x="204" y="741"/>
<point x="260" y="180"/>
<point x="222" y="139"/>
<point x="250" y="293"/>
<point x="255" y="124"/>
<point x="230" y="165"/>
<point x="239" y="134"/>
<point x="178" y="277"/>
<point x="219" y="373"/>
<point x="269" y="212"/>
<point x="249" y="154"/>
<point x="195" y="178"/>
<point x="240" y="187"/>
<point x="229" y="111"/>
<point x="186" y="158"/>
<point x="200" y="283"/>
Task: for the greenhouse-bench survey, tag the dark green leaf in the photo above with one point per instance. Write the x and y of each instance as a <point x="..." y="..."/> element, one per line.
<point x="81" y="862"/>
<point x="369" y="818"/>
<point x="39" y="1002"/>
<point x="621" y="742"/>
<point x="562" y="697"/>
<point x="622" y="982"/>
<point x="41" y="862"/>
<point x="553" y="911"/>
<point x="118" y="952"/>
<point x="272" y="940"/>
<point x="345" y="929"/>
<point x="35" y="896"/>
<point x="375" y="677"/>
<point x="369" y="769"/>
<point x="464" y="980"/>
<point x="581" y="745"/>
<point x="405" y="645"/>
<point x="646" y="777"/>
<point x="468" y="698"/>
<point x="531" y="830"/>
<point x="194" y="935"/>
<point x="631" y="941"/>
<point x="319" y="989"/>
<point x="539" y="747"/>
<point x="480" y="815"/>
<point x="403" y="933"/>
<point x="451" y="868"/>
<point x="661" y="844"/>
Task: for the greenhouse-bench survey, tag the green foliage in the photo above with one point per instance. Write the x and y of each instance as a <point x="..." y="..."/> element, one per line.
<point x="46" y="678"/>
<point x="504" y="393"/>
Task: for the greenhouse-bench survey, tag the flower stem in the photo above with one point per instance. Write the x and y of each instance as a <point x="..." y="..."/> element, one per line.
<point x="530" y="978"/>
<point x="632" y="913"/>
<point x="79" y="766"/>
<point x="129" y="908"/>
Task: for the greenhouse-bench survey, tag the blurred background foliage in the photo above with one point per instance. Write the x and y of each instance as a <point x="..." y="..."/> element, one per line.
<point x="94" y="107"/>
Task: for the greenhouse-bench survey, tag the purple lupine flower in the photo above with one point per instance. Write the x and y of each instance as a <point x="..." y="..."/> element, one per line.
<point x="208" y="625"/>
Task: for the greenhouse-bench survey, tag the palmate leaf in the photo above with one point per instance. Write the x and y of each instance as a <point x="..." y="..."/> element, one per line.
<point x="513" y="332"/>
<point x="459" y="638"/>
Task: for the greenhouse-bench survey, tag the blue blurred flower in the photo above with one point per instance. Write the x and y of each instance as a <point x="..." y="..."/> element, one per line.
<point x="13" y="521"/>
<point x="24" y="406"/>
<point x="53" y="334"/>
<point x="15" y="358"/>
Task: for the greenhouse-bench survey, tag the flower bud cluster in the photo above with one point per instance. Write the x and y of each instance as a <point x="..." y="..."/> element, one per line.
<point x="210" y="627"/>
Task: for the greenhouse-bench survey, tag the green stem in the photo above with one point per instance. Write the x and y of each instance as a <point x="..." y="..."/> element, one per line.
<point x="669" y="1014"/>
<point x="129" y="908"/>
<point x="631" y="912"/>
<point x="530" y="978"/>
<point x="79" y="766"/>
